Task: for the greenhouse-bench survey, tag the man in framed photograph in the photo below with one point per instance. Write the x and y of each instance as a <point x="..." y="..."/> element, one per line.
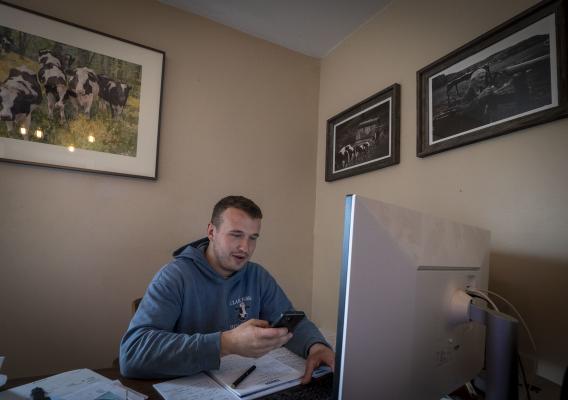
<point x="509" y="78"/>
<point x="476" y="103"/>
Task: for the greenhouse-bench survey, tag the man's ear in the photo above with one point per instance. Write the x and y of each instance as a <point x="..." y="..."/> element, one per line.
<point x="210" y="231"/>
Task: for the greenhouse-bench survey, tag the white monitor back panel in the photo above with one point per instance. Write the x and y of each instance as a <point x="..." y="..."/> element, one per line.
<point x="400" y="270"/>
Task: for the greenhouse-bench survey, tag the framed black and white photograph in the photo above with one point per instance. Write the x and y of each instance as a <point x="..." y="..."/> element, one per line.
<point x="365" y="137"/>
<point x="75" y="98"/>
<point x="508" y="79"/>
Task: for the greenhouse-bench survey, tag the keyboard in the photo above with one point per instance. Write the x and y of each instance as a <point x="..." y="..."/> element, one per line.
<point x="317" y="389"/>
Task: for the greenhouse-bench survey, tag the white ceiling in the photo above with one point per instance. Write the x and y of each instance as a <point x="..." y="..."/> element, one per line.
<point x="311" y="27"/>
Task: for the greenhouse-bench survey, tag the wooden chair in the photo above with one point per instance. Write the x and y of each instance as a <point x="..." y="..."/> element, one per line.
<point x="134" y="306"/>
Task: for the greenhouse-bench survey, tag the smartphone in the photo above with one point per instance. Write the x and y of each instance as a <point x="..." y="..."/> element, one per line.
<point x="289" y="320"/>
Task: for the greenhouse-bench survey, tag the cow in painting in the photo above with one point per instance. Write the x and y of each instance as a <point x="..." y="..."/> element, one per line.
<point x="345" y="155"/>
<point x="83" y="89"/>
<point x="113" y="93"/>
<point x="20" y="94"/>
<point x="52" y="76"/>
<point x="6" y="44"/>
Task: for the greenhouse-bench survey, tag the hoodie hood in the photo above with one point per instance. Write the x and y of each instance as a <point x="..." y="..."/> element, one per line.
<point x="200" y="245"/>
<point x="195" y="251"/>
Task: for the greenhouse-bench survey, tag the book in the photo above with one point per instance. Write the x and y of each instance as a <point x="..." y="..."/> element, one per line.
<point x="278" y="370"/>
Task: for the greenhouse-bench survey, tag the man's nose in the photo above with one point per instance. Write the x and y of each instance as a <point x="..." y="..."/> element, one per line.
<point x="243" y="245"/>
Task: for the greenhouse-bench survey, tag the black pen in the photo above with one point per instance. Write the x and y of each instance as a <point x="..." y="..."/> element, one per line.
<point x="243" y="376"/>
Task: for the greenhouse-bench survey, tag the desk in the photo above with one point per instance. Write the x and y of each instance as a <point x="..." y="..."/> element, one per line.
<point x="550" y="391"/>
<point x="143" y="386"/>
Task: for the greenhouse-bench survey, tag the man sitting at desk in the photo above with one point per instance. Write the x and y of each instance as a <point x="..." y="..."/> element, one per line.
<point x="211" y="301"/>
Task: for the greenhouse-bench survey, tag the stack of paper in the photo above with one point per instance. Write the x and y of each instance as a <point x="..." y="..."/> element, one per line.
<point x="269" y="373"/>
<point x="196" y="387"/>
<point x="278" y="370"/>
<point x="80" y="384"/>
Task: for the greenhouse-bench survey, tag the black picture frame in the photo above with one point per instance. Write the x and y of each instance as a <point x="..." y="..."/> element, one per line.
<point x="510" y="78"/>
<point x="365" y="137"/>
<point x="104" y="135"/>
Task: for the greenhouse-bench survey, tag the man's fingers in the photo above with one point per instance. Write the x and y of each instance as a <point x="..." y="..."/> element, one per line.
<point x="253" y="338"/>
<point x="269" y="333"/>
<point x="327" y="357"/>
<point x="284" y="339"/>
<point x="319" y="354"/>
<point x="310" y="366"/>
<point x="281" y="340"/>
<point x="260" y="352"/>
<point x="257" y="322"/>
<point x="266" y="346"/>
<point x="275" y="342"/>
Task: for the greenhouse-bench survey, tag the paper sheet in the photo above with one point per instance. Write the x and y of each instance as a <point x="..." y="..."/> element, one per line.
<point x="196" y="387"/>
<point x="292" y="360"/>
<point x="269" y="372"/>
<point x="56" y="386"/>
<point x="105" y="391"/>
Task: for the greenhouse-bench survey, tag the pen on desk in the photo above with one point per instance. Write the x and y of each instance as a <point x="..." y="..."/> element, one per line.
<point x="243" y="376"/>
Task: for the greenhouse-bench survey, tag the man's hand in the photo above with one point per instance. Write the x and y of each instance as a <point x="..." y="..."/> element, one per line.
<point x="317" y="355"/>
<point x="253" y="338"/>
<point x="486" y="92"/>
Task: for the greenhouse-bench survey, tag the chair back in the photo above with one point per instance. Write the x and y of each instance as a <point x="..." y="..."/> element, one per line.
<point x="135" y="304"/>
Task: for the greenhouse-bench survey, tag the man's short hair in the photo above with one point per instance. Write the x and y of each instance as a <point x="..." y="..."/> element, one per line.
<point x="239" y="202"/>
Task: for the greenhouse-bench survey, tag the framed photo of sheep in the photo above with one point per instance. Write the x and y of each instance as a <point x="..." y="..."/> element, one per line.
<point x="75" y="98"/>
<point x="510" y="78"/>
<point x="364" y="137"/>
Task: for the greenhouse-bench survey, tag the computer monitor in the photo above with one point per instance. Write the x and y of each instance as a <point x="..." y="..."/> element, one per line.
<point x="399" y="335"/>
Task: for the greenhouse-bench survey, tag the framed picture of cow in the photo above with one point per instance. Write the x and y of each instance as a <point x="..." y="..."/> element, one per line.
<point x="365" y="137"/>
<point x="75" y="98"/>
<point x="510" y="78"/>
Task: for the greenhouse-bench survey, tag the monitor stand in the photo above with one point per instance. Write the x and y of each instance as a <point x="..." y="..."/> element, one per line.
<point x="501" y="358"/>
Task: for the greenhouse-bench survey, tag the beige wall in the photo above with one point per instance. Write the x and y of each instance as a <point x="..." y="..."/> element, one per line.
<point x="514" y="185"/>
<point x="239" y="115"/>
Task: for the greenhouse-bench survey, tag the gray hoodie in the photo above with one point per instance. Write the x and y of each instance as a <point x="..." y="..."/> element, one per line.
<point x="177" y="328"/>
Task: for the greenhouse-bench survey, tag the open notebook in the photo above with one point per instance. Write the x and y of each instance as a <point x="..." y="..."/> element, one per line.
<point x="278" y="370"/>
